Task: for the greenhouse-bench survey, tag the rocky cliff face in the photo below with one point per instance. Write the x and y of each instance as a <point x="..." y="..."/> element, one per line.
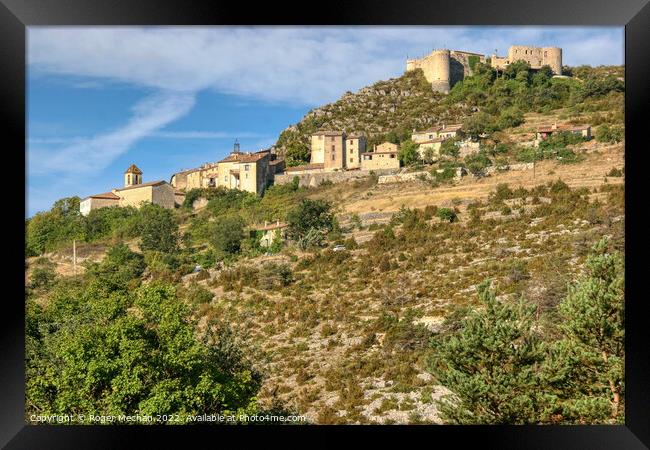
<point x="387" y="110"/>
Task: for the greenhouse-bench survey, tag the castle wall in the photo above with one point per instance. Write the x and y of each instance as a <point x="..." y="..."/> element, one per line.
<point x="536" y="57"/>
<point x="444" y="68"/>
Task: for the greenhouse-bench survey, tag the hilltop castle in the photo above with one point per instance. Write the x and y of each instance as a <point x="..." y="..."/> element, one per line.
<point x="443" y="68"/>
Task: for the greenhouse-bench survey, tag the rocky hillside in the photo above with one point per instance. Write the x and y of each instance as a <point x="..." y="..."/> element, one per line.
<point x="391" y="108"/>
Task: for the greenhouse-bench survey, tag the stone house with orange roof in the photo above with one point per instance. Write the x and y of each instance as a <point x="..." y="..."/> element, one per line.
<point x="134" y="193"/>
<point x="247" y="171"/>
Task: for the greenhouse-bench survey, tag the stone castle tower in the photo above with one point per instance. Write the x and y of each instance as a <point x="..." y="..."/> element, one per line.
<point x="443" y="68"/>
<point x="535" y="56"/>
<point x="132" y="176"/>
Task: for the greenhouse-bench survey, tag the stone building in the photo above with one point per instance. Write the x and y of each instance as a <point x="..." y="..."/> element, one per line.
<point x="247" y="171"/>
<point x="546" y="131"/>
<point x="379" y="160"/>
<point x="98" y="201"/>
<point x="535" y="56"/>
<point x="355" y="145"/>
<point x="271" y="232"/>
<point x="436" y="132"/>
<point x="386" y="147"/>
<point x="337" y="151"/>
<point x="432" y="144"/>
<point x="134" y="193"/>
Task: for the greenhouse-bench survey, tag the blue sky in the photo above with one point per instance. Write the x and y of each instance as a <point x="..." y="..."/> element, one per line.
<point x="170" y="98"/>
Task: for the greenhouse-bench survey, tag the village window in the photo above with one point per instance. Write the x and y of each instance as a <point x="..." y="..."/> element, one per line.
<point x="333" y="148"/>
<point x="392" y="156"/>
<point x="247" y="167"/>
<point x="333" y="156"/>
<point x="351" y="159"/>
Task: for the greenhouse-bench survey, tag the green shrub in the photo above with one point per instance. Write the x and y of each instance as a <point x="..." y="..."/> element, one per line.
<point x="448" y="215"/>
<point x="158" y="229"/>
<point x="609" y="135"/>
<point x="42" y="277"/>
<point x="228" y="234"/>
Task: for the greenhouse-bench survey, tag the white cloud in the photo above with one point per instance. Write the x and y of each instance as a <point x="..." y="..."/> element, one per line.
<point x="307" y="65"/>
<point x="205" y="135"/>
<point x="156" y="134"/>
<point x="97" y="152"/>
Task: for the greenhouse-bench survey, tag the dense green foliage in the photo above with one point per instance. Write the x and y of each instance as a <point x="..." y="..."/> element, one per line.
<point x="104" y="346"/>
<point x="228" y="234"/>
<point x="408" y="153"/>
<point x="311" y="219"/>
<point x="609" y="135"/>
<point x="46" y="231"/>
<point x="490" y="364"/>
<point x="501" y="370"/>
<point x="158" y="229"/>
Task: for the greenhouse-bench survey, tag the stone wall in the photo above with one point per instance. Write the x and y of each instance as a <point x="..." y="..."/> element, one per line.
<point x="379" y="161"/>
<point x="135" y="197"/>
<point x="163" y="195"/>
<point x="91" y="203"/>
<point x="400" y="177"/>
<point x="313" y="178"/>
<point x="521" y="166"/>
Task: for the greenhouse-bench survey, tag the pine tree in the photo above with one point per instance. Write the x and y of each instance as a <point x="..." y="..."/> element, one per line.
<point x="491" y="364"/>
<point x="586" y="368"/>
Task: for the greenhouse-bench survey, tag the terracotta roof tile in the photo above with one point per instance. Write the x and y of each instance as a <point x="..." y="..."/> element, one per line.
<point x="272" y="226"/>
<point x="328" y="133"/>
<point x="105" y="195"/>
<point x="245" y="157"/>
<point x="431" y="141"/>
<point x="136" y="186"/>
<point x="133" y="169"/>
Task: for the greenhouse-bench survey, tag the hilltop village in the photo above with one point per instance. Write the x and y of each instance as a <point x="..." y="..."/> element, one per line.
<point x="333" y="152"/>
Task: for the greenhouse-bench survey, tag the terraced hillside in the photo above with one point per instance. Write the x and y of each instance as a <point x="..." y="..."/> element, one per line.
<point x="344" y="337"/>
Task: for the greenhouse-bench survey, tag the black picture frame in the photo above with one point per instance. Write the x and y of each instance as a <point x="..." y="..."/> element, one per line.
<point x="634" y="15"/>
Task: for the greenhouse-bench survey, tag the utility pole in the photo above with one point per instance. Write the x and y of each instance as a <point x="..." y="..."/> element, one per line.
<point x="74" y="256"/>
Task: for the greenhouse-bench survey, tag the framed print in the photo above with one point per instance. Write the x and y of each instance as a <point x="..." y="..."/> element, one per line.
<point x="410" y="218"/>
